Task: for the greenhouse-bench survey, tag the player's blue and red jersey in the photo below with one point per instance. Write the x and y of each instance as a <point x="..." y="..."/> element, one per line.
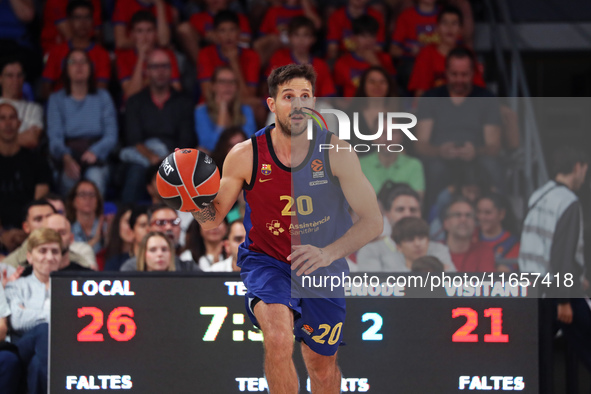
<point x="292" y="206"/>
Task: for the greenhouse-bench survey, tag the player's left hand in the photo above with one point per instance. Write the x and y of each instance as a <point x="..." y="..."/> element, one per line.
<point x="308" y="259"/>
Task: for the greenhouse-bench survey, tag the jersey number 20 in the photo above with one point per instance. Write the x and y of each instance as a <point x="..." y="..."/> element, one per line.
<point x="303" y="204"/>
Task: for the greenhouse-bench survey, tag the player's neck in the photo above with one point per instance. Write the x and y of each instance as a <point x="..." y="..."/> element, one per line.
<point x="290" y="150"/>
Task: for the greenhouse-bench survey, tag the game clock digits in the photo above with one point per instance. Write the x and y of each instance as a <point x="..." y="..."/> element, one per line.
<point x="144" y="333"/>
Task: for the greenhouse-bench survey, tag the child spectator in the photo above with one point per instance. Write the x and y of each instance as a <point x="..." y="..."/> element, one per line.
<point x="414" y="29"/>
<point x="273" y="29"/>
<point x="131" y="63"/>
<point x="56" y="28"/>
<point x="199" y="29"/>
<point x="30" y="114"/>
<point x="81" y="125"/>
<point x="339" y="35"/>
<point x="243" y="61"/>
<point x="497" y="228"/>
<point x="468" y="255"/>
<point x="80" y="18"/>
<point x="350" y="66"/>
<point x="302" y="35"/>
<point x="222" y="109"/>
<point x="125" y="10"/>
<point x="429" y="68"/>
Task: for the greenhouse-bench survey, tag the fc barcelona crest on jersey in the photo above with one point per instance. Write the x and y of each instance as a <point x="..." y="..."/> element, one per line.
<point x="266" y="169"/>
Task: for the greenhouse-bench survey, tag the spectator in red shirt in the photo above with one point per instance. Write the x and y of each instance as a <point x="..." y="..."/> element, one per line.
<point x="429" y="67"/>
<point x="302" y="35"/>
<point x="199" y="29"/>
<point x="273" y="30"/>
<point x="131" y="63"/>
<point x="414" y="29"/>
<point x="340" y="29"/>
<point x="243" y="61"/>
<point x="349" y="67"/>
<point x="80" y="18"/>
<point x="497" y="228"/>
<point x="459" y="224"/>
<point x="57" y="29"/>
<point x="124" y="11"/>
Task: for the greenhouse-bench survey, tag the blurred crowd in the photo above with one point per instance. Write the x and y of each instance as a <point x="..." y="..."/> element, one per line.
<point x="94" y="94"/>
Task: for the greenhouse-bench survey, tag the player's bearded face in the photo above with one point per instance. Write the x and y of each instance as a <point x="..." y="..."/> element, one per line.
<point x="295" y="123"/>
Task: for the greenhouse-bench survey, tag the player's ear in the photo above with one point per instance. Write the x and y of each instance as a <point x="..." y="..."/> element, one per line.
<point x="271" y="104"/>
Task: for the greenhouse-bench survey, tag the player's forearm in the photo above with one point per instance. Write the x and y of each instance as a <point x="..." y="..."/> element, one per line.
<point x="208" y="217"/>
<point x="365" y="230"/>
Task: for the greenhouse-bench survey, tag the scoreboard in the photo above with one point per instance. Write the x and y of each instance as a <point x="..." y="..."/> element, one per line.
<point x="171" y="333"/>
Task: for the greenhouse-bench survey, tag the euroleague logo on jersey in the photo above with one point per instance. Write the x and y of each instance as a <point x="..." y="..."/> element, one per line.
<point x="344" y="129"/>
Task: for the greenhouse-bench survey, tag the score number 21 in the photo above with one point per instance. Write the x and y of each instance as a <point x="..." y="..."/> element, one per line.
<point x="464" y="333"/>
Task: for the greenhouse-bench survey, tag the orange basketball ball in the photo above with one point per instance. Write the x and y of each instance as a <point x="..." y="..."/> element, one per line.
<point x="188" y="180"/>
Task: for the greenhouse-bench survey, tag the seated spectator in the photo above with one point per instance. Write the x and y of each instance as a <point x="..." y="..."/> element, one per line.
<point x="15" y="39"/>
<point x="57" y="202"/>
<point x="80" y="18"/>
<point x="302" y="36"/>
<point x="339" y="35"/>
<point x="84" y="209"/>
<point x="468" y="255"/>
<point x="429" y="67"/>
<point x="61" y="225"/>
<point x="155" y="253"/>
<point x="411" y="236"/>
<point x="222" y="109"/>
<point x="414" y="29"/>
<point x="198" y="30"/>
<point x="236" y="235"/>
<point x="56" y="26"/>
<point x="24" y="175"/>
<point x="497" y="225"/>
<point x="119" y="240"/>
<point x="158" y="119"/>
<point x="427" y="264"/>
<point x="81" y="125"/>
<point x="138" y="224"/>
<point x="229" y="137"/>
<point x="131" y="62"/>
<point x="35" y="216"/>
<point x="29" y="300"/>
<point x="10" y="364"/>
<point x="458" y="128"/>
<point x="164" y="219"/>
<point x="243" y="61"/>
<point x="273" y="29"/>
<point x="398" y="201"/>
<point x="206" y="247"/>
<point x="30" y="114"/>
<point x="165" y="15"/>
<point x="350" y="66"/>
<point x="469" y="182"/>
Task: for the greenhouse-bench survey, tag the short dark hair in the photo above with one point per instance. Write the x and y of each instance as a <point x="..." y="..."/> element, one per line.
<point x="565" y="158"/>
<point x="11" y="60"/>
<point x="284" y="74"/>
<point x="68" y="82"/>
<point x="158" y="207"/>
<point x="390" y="191"/>
<point x="142" y="16"/>
<point x="450" y="9"/>
<point x="136" y="212"/>
<point x="457" y="200"/>
<point x="365" y="24"/>
<point x="298" y="22"/>
<point x="409" y="228"/>
<point x="75" y="4"/>
<point x="427" y="264"/>
<point x="225" y="16"/>
<point x="461" y="53"/>
<point x="36" y="203"/>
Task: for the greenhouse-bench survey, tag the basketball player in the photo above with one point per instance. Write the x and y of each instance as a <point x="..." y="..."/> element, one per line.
<point x="307" y="231"/>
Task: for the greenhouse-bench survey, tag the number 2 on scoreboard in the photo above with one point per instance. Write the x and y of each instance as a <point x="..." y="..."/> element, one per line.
<point x="464" y="333"/>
